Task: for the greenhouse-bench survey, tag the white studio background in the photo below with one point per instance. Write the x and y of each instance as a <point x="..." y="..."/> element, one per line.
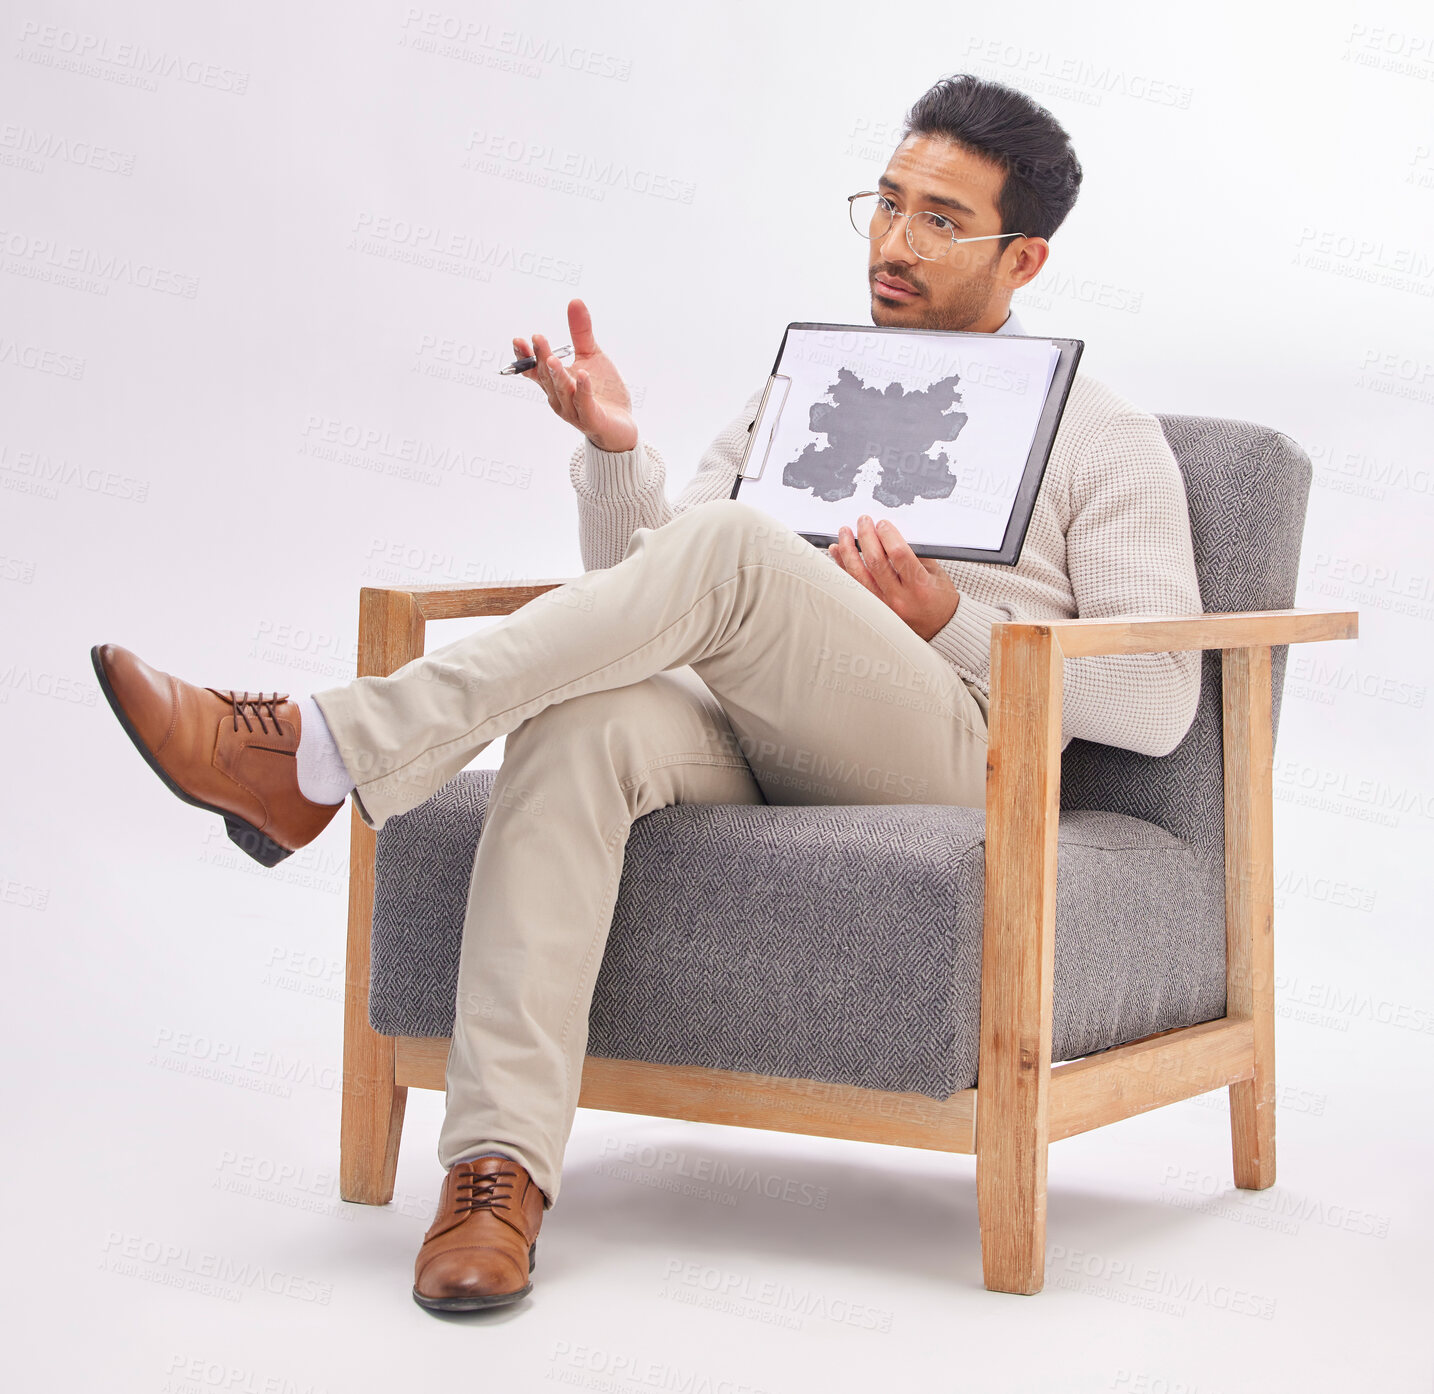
<point x="252" y="300"/>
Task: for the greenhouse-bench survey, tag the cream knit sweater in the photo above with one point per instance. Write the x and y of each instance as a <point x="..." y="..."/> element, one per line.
<point x="1110" y="535"/>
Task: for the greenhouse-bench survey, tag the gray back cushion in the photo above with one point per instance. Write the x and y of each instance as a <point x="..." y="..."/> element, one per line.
<point x="1247" y="488"/>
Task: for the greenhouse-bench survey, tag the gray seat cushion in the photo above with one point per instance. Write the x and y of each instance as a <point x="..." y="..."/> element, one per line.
<point x="834" y="943"/>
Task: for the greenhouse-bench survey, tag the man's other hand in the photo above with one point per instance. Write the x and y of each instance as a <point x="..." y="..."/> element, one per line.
<point x="915" y="587"/>
<point x="592" y="396"/>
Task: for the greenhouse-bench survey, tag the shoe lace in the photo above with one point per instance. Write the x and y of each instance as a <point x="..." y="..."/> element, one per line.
<point x="255" y="704"/>
<point x="480" y="1191"/>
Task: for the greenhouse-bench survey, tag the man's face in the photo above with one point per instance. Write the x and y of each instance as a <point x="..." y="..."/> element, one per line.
<point x="970" y="287"/>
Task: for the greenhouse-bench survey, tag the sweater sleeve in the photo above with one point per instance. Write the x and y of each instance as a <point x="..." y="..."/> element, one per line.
<point x="618" y="491"/>
<point x="1128" y="552"/>
<point x="623" y="490"/>
<point x="965" y="640"/>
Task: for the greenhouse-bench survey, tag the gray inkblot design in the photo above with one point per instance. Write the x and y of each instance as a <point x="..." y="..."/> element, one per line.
<point x="897" y="428"/>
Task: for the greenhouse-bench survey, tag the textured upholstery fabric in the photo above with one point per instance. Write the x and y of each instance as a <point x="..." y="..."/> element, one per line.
<point x="843" y="943"/>
<point x="832" y="943"/>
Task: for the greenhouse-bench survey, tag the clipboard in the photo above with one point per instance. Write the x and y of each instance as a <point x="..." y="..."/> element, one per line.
<point x="1017" y="474"/>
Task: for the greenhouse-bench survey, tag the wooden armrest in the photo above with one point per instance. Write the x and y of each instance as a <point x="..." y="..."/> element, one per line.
<point x="1232" y="629"/>
<point x="392" y="619"/>
<point x="457" y="600"/>
<point x="1028" y="686"/>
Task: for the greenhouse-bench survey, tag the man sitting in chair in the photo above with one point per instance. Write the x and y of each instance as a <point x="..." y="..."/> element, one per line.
<point x="706" y="656"/>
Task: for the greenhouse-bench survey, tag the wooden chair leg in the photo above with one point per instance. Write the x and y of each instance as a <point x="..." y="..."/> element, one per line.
<point x="391" y="634"/>
<point x="1011" y="1201"/>
<point x="1249" y="904"/>
<point x="1018" y="954"/>
<point x="373" y="1102"/>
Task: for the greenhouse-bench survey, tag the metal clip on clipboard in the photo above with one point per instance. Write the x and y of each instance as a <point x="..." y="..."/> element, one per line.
<point x="769" y="427"/>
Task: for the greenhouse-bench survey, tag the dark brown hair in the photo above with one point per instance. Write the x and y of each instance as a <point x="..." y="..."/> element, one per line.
<point x="1005" y="126"/>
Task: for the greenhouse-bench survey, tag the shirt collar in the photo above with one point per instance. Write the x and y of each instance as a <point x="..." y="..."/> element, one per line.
<point x="1011" y="326"/>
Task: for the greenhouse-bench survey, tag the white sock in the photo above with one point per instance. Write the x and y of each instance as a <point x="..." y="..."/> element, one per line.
<point x="323" y="776"/>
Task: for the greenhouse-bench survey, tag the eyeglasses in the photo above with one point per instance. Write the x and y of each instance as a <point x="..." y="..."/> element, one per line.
<point x="928" y="234"/>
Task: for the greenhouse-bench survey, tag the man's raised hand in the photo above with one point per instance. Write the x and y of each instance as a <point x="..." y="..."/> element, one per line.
<point x="590" y="396"/>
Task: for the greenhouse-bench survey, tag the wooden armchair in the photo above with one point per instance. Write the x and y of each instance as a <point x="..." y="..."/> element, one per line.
<point x="1027" y="1098"/>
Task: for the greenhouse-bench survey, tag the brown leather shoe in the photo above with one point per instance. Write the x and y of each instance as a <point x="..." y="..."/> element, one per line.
<point x="227" y="752"/>
<point x="479" y="1251"/>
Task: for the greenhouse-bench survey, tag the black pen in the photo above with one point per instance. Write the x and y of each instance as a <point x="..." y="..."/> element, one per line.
<point x="521" y="365"/>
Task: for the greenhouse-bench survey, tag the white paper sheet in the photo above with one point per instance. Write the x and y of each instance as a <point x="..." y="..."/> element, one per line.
<point x="930" y="430"/>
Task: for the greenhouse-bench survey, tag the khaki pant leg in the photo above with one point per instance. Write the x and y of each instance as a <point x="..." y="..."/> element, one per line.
<point x="797" y="651"/>
<point x="540" y="902"/>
